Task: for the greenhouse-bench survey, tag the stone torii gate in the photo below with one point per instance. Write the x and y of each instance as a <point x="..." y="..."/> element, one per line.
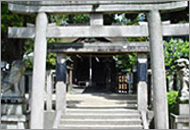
<point x="42" y="30"/>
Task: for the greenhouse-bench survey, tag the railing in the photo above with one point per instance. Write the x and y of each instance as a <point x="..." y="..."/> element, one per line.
<point x="55" y="91"/>
<point x="57" y="119"/>
<point x="26" y="88"/>
<point x="144" y="119"/>
<point x="50" y="90"/>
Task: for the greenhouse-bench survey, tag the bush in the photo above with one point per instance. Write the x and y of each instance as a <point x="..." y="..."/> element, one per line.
<point x="172" y="101"/>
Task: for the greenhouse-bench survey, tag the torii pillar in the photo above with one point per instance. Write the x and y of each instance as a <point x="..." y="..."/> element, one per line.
<point x="158" y="69"/>
<point x="39" y="71"/>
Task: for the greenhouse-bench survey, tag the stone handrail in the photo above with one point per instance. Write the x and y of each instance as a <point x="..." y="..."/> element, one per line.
<point x="49" y="90"/>
<point x="57" y="119"/>
<point x="144" y="119"/>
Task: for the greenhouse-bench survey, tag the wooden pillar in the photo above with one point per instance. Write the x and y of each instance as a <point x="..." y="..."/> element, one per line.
<point x="61" y="83"/>
<point x="142" y="91"/>
<point x="39" y="70"/>
<point x="158" y="70"/>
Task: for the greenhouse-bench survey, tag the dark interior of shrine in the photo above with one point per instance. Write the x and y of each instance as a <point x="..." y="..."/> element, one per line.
<point x="103" y="73"/>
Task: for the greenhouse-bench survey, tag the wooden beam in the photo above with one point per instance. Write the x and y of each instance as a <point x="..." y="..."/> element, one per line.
<point x="113" y="7"/>
<point x="117" y="47"/>
<point x="98" y="31"/>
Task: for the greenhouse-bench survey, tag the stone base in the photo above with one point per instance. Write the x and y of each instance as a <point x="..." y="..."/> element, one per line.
<point x="183" y="109"/>
<point x="13" y="109"/>
<point x="14" y="122"/>
<point x="179" y="121"/>
<point x="49" y="118"/>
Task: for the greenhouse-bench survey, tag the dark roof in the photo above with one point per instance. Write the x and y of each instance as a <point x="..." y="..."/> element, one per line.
<point x="99" y="40"/>
<point x="91" y="40"/>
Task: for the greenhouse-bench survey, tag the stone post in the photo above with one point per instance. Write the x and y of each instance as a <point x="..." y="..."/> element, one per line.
<point x="61" y="83"/>
<point x="96" y="19"/>
<point x="22" y="85"/>
<point x="49" y="92"/>
<point x="142" y="92"/>
<point x="70" y="79"/>
<point x="90" y="70"/>
<point x="158" y="70"/>
<point x="39" y="71"/>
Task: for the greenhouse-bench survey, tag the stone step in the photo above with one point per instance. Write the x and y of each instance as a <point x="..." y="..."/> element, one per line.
<point x="109" y="101"/>
<point x="100" y="122"/>
<point x="103" y="96"/>
<point x="99" y="112"/>
<point x="104" y="109"/>
<point x="100" y="127"/>
<point x="101" y="109"/>
<point x="101" y="116"/>
<point x="102" y="106"/>
<point x="105" y="119"/>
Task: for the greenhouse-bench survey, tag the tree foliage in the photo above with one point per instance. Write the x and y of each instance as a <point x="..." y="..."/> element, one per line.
<point x="172" y="101"/>
<point x="173" y="50"/>
<point x="12" y="49"/>
<point x="125" y="62"/>
<point x="62" y="20"/>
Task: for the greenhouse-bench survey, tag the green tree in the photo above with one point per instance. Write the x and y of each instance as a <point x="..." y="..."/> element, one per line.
<point x="12" y="49"/>
<point x="126" y="61"/>
<point x="173" y="50"/>
<point x="172" y="101"/>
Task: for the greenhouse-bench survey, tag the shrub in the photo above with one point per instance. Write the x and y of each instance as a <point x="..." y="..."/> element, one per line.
<point x="172" y="101"/>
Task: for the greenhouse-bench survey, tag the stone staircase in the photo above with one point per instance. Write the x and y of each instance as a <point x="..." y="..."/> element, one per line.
<point x="109" y="113"/>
